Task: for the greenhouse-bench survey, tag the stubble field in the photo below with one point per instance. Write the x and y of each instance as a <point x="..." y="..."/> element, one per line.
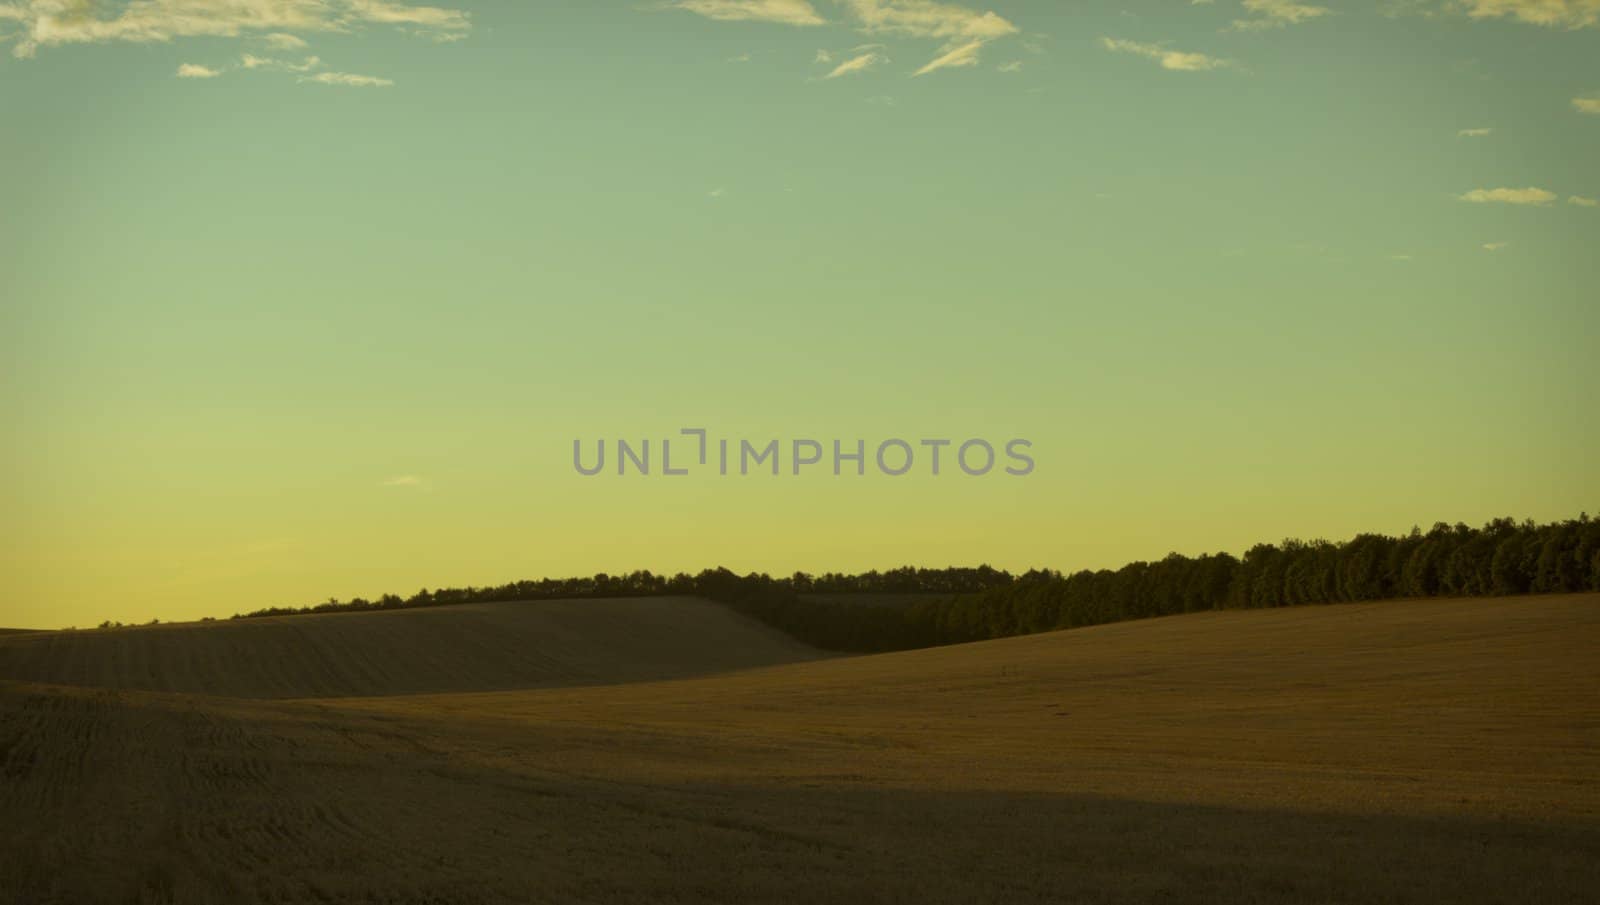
<point x="1410" y="751"/>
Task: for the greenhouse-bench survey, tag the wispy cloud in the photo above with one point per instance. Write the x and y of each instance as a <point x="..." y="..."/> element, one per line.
<point x="52" y="23"/>
<point x="859" y="63"/>
<point x="280" y="41"/>
<point x="384" y="12"/>
<point x="1175" y="60"/>
<point x="717" y="192"/>
<point x="964" y="31"/>
<point x="1473" y="133"/>
<point x="1586" y="104"/>
<point x="928" y="19"/>
<point x="1013" y="66"/>
<point x="1508" y="196"/>
<point x="1495" y="246"/>
<point x="954" y="57"/>
<point x="1549" y="13"/>
<point x="406" y="480"/>
<point x="349" y="79"/>
<point x="783" y="12"/>
<point x="251" y="61"/>
<point x="1266" y="14"/>
<point x="1581" y="201"/>
<point x="1399" y="257"/>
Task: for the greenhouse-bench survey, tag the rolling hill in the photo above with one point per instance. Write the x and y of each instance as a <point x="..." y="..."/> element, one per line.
<point x="470" y="647"/>
<point x="1405" y="751"/>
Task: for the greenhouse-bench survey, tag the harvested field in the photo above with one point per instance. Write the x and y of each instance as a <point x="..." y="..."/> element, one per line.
<point x="1415" y="751"/>
<point x="468" y="647"/>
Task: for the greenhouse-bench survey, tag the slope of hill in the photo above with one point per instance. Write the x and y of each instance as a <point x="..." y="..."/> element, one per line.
<point x="461" y="648"/>
<point x="1490" y="700"/>
<point x="1404" y="752"/>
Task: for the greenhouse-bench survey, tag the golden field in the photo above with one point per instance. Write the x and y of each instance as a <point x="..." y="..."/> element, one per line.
<point x="672" y="751"/>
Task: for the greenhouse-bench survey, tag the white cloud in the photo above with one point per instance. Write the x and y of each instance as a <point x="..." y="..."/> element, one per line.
<point x="1277" y="14"/>
<point x="954" y="57"/>
<point x="739" y="58"/>
<point x="1494" y="246"/>
<point x="1177" y="61"/>
<point x="717" y="192"/>
<point x="1586" y="104"/>
<point x="1581" y="201"/>
<point x="52" y="23"/>
<point x="1549" y="13"/>
<point x="1508" y="196"/>
<point x="440" y="37"/>
<point x="1399" y="257"/>
<point x="783" y="12"/>
<point x="1473" y="133"/>
<point x="428" y="17"/>
<point x="196" y="71"/>
<point x="405" y="480"/>
<point x="280" y="41"/>
<point x="348" y="78"/>
<point x="1013" y="66"/>
<point x="928" y="19"/>
<point x="251" y="61"/>
<point x="859" y="63"/>
<point x="964" y="31"/>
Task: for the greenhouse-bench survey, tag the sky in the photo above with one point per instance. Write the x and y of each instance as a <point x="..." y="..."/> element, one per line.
<point x="304" y="299"/>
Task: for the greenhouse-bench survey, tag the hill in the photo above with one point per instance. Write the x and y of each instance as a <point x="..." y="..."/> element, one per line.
<point x="1498" y="694"/>
<point x="470" y="647"/>
<point x="1405" y="752"/>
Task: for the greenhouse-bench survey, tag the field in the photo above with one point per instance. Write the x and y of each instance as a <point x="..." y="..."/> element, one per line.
<point x="471" y="647"/>
<point x="1409" y="751"/>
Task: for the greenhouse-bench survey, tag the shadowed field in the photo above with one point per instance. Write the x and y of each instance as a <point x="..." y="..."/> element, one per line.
<point x="458" y="648"/>
<point x="1417" y="751"/>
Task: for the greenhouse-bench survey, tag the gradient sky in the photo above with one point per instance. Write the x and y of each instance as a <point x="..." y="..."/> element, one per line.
<point x="311" y="297"/>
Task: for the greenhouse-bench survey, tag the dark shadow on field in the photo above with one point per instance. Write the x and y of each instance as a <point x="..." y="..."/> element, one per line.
<point x="108" y="800"/>
<point x="468" y="647"/>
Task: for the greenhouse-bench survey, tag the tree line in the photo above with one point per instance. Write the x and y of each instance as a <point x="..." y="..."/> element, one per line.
<point x="971" y="604"/>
